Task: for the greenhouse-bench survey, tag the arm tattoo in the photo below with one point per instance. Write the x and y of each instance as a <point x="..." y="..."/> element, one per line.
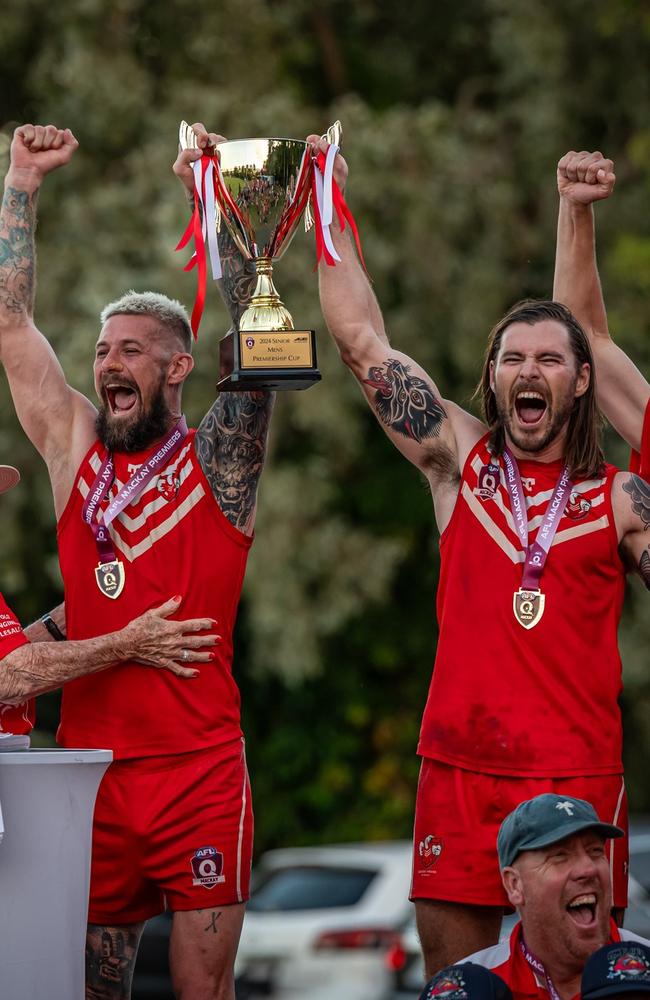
<point x="239" y="277"/>
<point x="644" y="568"/>
<point x="405" y="402"/>
<point x="231" y="447"/>
<point x="639" y="490"/>
<point x="17" y="225"/>
<point x="110" y="960"/>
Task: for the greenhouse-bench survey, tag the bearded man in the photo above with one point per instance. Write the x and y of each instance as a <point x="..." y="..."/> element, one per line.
<point x="143" y="503"/>
<point x="523" y="698"/>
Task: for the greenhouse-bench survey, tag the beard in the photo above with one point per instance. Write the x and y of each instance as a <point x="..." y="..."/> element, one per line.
<point x="559" y="415"/>
<point x="151" y="425"/>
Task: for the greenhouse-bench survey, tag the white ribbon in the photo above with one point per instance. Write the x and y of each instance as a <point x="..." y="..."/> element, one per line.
<point x="208" y="214"/>
<point x="324" y="198"/>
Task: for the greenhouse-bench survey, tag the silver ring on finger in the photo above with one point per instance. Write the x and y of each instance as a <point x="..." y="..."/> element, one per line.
<point x="185" y="655"/>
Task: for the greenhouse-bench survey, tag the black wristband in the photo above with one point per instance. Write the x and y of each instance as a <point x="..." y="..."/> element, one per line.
<point x="53" y="628"/>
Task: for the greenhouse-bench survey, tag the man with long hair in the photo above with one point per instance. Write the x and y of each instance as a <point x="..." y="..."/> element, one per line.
<point x="143" y="503"/>
<point x="523" y="698"/>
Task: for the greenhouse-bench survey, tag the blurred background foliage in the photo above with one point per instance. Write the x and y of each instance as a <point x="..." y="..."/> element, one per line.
<point x="455" y="114"/>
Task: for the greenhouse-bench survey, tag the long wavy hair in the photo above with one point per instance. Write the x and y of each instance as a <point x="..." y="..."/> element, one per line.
<point x="583" y="455"/>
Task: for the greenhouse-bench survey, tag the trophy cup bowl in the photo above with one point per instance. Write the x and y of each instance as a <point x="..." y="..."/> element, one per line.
<point x="263" y="188"/>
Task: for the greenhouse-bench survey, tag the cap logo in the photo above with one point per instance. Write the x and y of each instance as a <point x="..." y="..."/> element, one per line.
<point x="567" y="807"/>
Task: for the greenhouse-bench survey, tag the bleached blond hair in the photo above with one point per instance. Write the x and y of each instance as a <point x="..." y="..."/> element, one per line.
<point x="170" y="313"/>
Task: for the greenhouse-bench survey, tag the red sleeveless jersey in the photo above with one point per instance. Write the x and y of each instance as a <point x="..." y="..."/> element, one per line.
<point x="504" y="699"/>
<point x="13" y="718"/>
<point x="172" y="539"/>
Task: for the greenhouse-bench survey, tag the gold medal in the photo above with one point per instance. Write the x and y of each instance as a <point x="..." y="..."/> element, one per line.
<point x="528" y="606"/>
<point x="110" y="578"/>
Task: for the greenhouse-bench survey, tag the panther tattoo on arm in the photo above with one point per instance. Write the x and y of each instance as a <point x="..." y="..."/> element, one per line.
<point x="405" y="403"/>
<point x="231" y="448"/>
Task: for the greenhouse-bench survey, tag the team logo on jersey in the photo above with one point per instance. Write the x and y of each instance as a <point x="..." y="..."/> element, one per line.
<point x="207" y="867"/>
<point x="528" y="483"/>
<point x="577" y="507"/>
<point x="488" y="482"/>
<point x="446" y="985"/>
<point x="628" y="964"/>
<point x="430" y="850"/>
<point x="168" y="485"/>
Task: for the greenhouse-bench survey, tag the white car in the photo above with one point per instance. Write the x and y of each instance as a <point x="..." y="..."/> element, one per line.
<point x="326" y="923"/>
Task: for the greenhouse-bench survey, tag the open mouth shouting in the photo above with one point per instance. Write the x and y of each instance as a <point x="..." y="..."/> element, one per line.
<point x="583" y="910"/>
<point x="121" y="397"/>
<point x="530" y="407"/>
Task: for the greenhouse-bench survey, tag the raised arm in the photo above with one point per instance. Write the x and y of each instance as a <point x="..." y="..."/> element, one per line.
<point x="623" y="393"/>
<point x="434" y="434"/>
<point x="231" y="440"/>
<point x="58" y="420"/>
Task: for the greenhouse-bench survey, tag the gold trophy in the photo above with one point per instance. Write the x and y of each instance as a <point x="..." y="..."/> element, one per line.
<point x="263" y="187"/>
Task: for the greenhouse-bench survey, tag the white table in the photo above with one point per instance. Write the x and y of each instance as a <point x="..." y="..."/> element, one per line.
<point x="47" y="799"/>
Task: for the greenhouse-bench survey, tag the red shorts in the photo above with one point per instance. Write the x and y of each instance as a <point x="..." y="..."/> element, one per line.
<point x="457" y="818"/>
<point x="172" y="832"/>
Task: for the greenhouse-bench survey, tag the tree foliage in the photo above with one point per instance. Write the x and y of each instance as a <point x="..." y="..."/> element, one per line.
<point x="454" y="118"/>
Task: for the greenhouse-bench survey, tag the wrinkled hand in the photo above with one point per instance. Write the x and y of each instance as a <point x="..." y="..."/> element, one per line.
<point x="318" y="144"/>
<point x="42" y="148"/>
<point x="157" y="641"/>
<point x="585" y="177"/>
<point x="186" y="157"/>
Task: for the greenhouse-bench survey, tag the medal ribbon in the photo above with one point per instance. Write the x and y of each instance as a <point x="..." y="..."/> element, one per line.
<point x="537" y="966"/>
<point x="537" y="553"/>
<point x="128" y="493"/>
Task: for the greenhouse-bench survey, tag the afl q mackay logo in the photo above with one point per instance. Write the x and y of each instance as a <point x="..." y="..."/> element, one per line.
<point x="249" y="342"/>
<point x="207" y="867"/>
<point x="488" y="482"/>
<point x="430" y="849"/>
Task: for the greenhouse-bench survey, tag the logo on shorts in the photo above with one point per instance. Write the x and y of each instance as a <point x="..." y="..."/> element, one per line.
<point x="430" y="850"/>
<point x="207" y="867"/>
<point x="628" y="965"/>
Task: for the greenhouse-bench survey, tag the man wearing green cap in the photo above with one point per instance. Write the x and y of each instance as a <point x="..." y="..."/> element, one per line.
<point x="556" y="874"/>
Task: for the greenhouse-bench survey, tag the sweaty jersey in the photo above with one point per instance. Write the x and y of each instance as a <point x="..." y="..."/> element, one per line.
<point x="532" y="702"/>
<point x="13" y="718"/>
<point x="172" y="539"/>
<point x="507" y="960"/>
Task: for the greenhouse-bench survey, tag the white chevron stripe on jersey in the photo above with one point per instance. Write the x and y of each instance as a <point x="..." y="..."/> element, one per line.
<point x="177" y="514"/>
<point x="479" y="511"/>
<point x="581" y="529"/>
<point x="183" y="457"/>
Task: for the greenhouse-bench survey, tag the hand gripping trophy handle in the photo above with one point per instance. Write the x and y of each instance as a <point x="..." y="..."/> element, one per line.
<point x="262" y="189"/>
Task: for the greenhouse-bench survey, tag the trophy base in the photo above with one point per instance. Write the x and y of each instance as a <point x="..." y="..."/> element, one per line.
<point x="270" y="360"/>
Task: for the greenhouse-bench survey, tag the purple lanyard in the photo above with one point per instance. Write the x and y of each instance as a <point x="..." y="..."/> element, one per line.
<point x="535" y="964"/>
<point x="136" y="484"/>
<point x="537" y="553"/>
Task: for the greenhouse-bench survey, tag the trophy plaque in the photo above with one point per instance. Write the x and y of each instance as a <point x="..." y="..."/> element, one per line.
<point x="262" y="188"/>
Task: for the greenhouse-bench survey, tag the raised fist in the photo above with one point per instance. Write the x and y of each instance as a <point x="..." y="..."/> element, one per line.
<point x="585" y="177"/>
<point x="41" y="148"/>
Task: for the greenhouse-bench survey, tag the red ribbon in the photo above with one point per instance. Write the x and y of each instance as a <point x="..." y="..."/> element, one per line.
<point x="343" y="213"/>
